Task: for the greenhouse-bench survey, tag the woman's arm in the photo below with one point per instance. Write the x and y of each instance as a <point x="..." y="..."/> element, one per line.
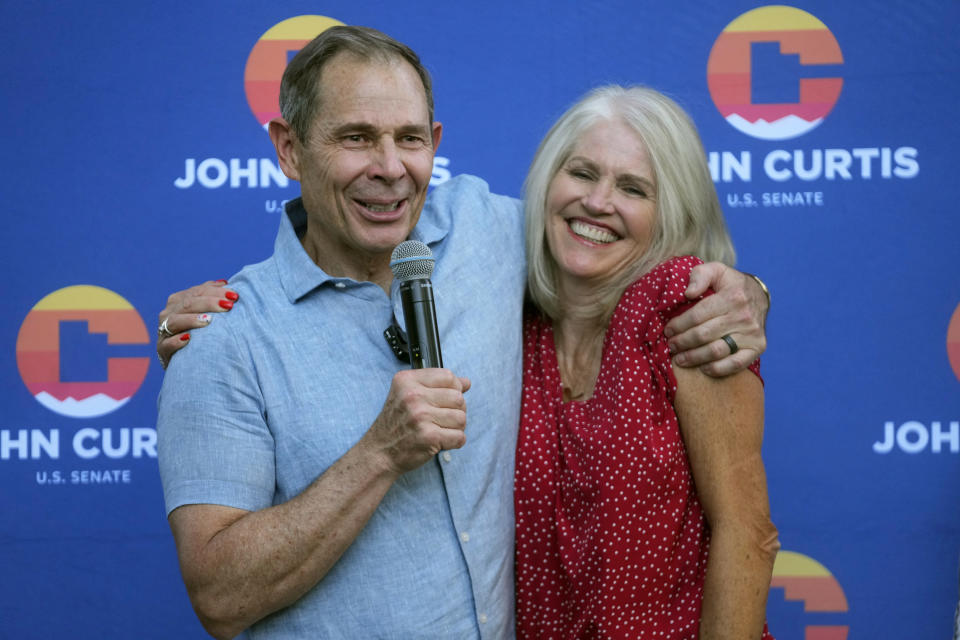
<point x="721" y="421"/>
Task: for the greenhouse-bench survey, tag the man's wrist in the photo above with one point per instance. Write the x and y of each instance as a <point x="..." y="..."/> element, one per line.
<point x="763" y="287"/>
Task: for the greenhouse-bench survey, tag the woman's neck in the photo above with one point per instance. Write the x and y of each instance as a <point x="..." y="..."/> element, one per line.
<point x="578" y="342"/>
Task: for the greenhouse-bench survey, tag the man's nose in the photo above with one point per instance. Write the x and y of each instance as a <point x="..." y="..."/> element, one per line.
<point x="386" y="162"/>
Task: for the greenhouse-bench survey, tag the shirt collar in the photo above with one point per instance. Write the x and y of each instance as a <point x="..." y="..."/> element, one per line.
<point x="299" y="275"/>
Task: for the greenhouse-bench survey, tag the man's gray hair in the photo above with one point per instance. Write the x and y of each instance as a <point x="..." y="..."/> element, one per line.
<point x="300" y="93"/>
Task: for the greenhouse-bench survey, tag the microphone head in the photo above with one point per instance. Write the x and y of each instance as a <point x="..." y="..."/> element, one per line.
<point x="411" y="260"/>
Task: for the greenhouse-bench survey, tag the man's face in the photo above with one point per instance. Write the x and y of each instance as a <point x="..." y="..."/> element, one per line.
<point x="366" y="164"/>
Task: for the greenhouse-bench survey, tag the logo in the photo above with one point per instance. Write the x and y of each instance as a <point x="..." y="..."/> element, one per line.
<point x="774" y="72"/>
<point x="953" y="342"/>
<point x="916" y="437"/>
<point x="806" y="581"/>
<point x="78" y="351"/>
<point x="269" y="57"/>
<point x="262" y="76"/>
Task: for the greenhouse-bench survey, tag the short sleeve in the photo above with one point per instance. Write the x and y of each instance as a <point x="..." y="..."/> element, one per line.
<point x="661" y="290"/>
<point x="214" y="446"/>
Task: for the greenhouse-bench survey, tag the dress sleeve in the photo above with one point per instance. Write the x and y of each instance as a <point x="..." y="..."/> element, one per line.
<point x="661" y="290"/>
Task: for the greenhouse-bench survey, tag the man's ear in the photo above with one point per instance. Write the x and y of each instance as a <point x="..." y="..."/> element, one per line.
<point x="437" y="134"/>
<point x="285" y="142"/>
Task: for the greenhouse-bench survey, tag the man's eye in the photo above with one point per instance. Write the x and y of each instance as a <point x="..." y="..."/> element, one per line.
<point x="354" y="139"/>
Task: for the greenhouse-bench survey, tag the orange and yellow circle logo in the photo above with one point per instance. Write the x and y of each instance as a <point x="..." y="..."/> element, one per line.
<point x="804" y="579"/>
<point x="953" y="342"/>
<point x="77" y="351"/>
<point x="269" y="58"/>
<point x="774" y="72"/>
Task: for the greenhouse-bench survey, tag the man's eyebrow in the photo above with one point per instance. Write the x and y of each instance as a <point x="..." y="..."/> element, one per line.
<point x="353" y="127"/>
<point x="414" y="128"/>
<point x="366" y="127"/>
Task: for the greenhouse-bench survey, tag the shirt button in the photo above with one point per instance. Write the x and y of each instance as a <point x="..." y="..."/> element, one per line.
<point x="482" y="618"/>
<point x="339" y="285"/>
<point x="465" y="536"/>
<point x="447" y="457"/>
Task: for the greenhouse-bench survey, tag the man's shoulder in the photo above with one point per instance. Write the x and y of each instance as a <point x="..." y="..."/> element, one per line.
<point x="251" y="275"/>
<point x="468" y="190"/>
<point x="465" y="207"/>
<point x="259" y="292"/>
<point x="254" y="279"/>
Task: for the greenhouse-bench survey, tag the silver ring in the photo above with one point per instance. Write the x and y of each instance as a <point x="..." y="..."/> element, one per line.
<point x="163" y="331"/>
<point x="734" y="347"/>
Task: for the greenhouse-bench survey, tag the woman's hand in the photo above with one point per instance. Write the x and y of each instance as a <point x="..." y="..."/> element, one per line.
<point x="190" y="309"/>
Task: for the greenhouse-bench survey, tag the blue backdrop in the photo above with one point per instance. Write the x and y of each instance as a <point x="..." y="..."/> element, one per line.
<point x="840" y="193"/>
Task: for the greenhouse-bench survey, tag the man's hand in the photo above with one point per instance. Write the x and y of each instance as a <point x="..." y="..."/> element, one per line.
<point x="190" y="309"/>
<point x="424" y="413"/>
<point x="738" y="309"/>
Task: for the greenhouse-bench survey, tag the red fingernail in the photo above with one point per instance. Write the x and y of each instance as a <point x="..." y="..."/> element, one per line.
<point x="231" y="295"/>
<point x="221" y="280"/>
<point x="184" y="337"/>
<point x="226" y="304"/>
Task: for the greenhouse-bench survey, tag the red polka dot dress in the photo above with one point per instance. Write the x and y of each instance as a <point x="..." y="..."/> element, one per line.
<point x="611" y="539"/>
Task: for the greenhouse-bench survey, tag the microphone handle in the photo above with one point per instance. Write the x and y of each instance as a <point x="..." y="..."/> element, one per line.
<point x="420" y="316"/>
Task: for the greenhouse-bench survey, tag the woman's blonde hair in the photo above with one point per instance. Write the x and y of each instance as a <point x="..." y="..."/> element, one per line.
<point x="689" y="219"/>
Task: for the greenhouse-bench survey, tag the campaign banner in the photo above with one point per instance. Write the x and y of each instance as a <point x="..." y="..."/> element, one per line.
<point x="138" y="164"/>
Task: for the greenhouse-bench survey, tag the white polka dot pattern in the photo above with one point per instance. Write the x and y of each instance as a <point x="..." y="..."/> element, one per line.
<point x="611" y="539"/>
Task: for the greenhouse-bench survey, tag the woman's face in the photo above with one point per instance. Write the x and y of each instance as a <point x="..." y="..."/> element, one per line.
<point x="601" y="206"/>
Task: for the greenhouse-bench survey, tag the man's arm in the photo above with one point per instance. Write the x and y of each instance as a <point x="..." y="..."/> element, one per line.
<point x="737" y="309"/>
<point x="240" y="566"/>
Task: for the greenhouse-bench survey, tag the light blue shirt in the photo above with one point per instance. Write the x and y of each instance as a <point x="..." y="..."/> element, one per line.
<point x="271" y="394"/>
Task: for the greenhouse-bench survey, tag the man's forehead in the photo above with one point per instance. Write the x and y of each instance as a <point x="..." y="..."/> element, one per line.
<point x="371" y="90"/>
<point x="352" y="70"/>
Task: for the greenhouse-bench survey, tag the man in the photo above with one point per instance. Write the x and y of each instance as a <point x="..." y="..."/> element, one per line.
<point x="315" y="486"/>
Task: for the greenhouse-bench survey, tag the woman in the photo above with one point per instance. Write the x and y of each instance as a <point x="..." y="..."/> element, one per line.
<point x="630" y="470"/>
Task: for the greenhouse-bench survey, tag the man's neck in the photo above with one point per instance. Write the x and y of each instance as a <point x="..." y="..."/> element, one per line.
<point x="373" y="268"/>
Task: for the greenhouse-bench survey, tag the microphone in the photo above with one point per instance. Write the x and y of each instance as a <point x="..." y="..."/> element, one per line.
<point x="412" y="264"/>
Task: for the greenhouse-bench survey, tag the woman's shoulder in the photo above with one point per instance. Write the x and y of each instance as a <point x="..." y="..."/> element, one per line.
<point x="662" y="289"/>
<point x="669" y="272"/>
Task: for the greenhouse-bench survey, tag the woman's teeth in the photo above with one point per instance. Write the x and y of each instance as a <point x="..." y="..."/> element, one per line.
<point x="592" y="233"/>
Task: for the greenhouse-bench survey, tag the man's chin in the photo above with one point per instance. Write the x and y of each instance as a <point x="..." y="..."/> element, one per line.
<point x="384" y="243"/>
<point x="379" y="237"/>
